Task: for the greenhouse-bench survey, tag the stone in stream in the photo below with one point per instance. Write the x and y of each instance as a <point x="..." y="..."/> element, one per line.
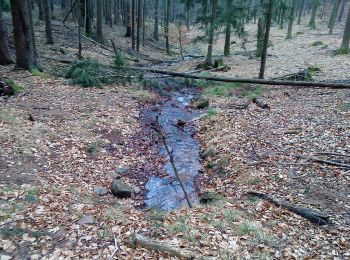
<point x="121" y="189"/>
<point x="201" y="103"/>
<point x="86" y="219"/>
<point x="100" y="190"/>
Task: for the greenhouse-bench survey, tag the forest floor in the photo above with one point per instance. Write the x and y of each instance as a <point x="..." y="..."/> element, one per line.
<point x="80" y="137"/>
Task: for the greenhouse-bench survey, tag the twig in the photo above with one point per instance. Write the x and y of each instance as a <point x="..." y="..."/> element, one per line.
<point x="116" y="248"/>
<point x="333" y="154"/>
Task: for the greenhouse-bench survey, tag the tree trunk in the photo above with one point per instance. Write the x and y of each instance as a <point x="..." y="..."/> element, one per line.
<point x="80" y="47"/>
<point x="99" y="33"/>
<point x="48" y="25"/>
<point x="156" y="16"/>
<point x="167" y="13"/>
<point x="209" y="59"/>
<point x="143" y="23"/>
<point x="41" y="10"/>
<point x="266" y="39"/>
<point x="346" y="37"/>
<point x="291" y="19"/>
<point x="133" y="13"/>
<point x="88" y="18"/>
<point x="301" y="10"/>
<point x="23" y="36"/>
<point x="312" y="23"/>
<point x="333" y="16"/>
<point x="342" y="10"/>
<point x="228" y="28"/>
<point x="261" y="30"/>
<point x="5" y="57"/>
<point x="138" y="25"/>
<point x="129" y="23"/>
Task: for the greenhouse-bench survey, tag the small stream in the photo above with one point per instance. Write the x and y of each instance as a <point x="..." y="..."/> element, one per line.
<point x="165" y="193"/>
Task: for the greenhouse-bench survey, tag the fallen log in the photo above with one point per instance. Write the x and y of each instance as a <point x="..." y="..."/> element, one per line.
<point x="142" y="241"/>
<point x="251" y="81"/>
<point x="319" y="160"/>
<point x="312" y="215"/>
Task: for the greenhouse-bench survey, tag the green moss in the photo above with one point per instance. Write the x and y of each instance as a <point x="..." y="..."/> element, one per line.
<point x="317" y="43"/>
<point x="342" y="51"/>
<point x="345" y="107"/>
<point x="252" y="93"/>
<point x="211" y="113"/>
<point x="16" y="88"/>
<point x="223" y="90"/>
<point x="37" y="73"/>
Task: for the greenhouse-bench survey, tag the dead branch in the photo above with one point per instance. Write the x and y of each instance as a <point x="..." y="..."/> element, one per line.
<point x="252" y="81"/>
<point x="314" y="216"/>
<point x="334" y="154"/>
<point x="319" y="160"/>
<point x="142" y="241"/>
<point x="172" y="162"/>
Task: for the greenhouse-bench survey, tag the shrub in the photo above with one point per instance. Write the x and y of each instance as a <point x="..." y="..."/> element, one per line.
<point x="120" y="60"/>
<point x="89" y="73"/>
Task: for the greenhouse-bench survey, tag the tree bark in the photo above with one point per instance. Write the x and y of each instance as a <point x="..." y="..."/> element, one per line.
<point x="129" y="23"/>
<point x="99" y="32"/>
<point x="346" y="36"/>
<point x="48" y="25"/>
<point x="312" y="23"/>
<point x="138" y="25"/>
<point x="133" y="13"/>
<point x="261" y="29"/>
<point x="266" y="39"/>
<point x="209" y="59"/>
<point x="333" y="16"/>
<point x="228" y="28"/>
<point x="5" y="57"/>
<point x="301" y="10"/>
<point x="291" y="19"/>
<point x="156" y="21"/>
<point x="342" y="10"/>
<point x="23" y="35"/>
<point x="167" y="13"/>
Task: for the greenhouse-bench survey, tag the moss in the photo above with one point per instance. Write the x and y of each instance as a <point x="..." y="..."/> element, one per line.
<point x="252" y="93"/>
<point x="15" y="87"/>
<point x="317" y="43"/>
<point x="223" y="90"/>
<point x="342" y="51"/>
<point x="37" y="73"/>
<point x="211" y="113"/>
<point x="345" y="107"/>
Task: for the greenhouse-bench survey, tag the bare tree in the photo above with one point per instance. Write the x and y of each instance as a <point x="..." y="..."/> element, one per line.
<point x="346" y="36"/>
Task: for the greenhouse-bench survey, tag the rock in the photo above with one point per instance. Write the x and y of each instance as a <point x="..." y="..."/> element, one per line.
<point x="115" y="175"/>
<point x="100" y="190"/>
<point x="86" y="219"/>
<point x="122" y="170"/>
<point x="121" y="190"/>
<point x="201" y="103"/>
<point x="136" y="189"/>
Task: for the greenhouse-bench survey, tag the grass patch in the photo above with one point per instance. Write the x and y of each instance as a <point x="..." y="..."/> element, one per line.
<point x="143" y="95"/>
<point x="250" y="228"/>
<point x="92" y="149"/>
<point x="211" y="113"/>
<point x="223" y="90"/>
<point x="252" y="93"/>
<point x="180" y="225"/>
<point x="253" y="180"/>
<point x="8" y="118"/>
<point x="37" y="73"/>
<point x="342" y="51"/>
<point x="345" y="107"/>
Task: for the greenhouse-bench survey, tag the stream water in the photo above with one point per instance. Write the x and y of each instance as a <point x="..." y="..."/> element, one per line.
<point x="166" y="193"/>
